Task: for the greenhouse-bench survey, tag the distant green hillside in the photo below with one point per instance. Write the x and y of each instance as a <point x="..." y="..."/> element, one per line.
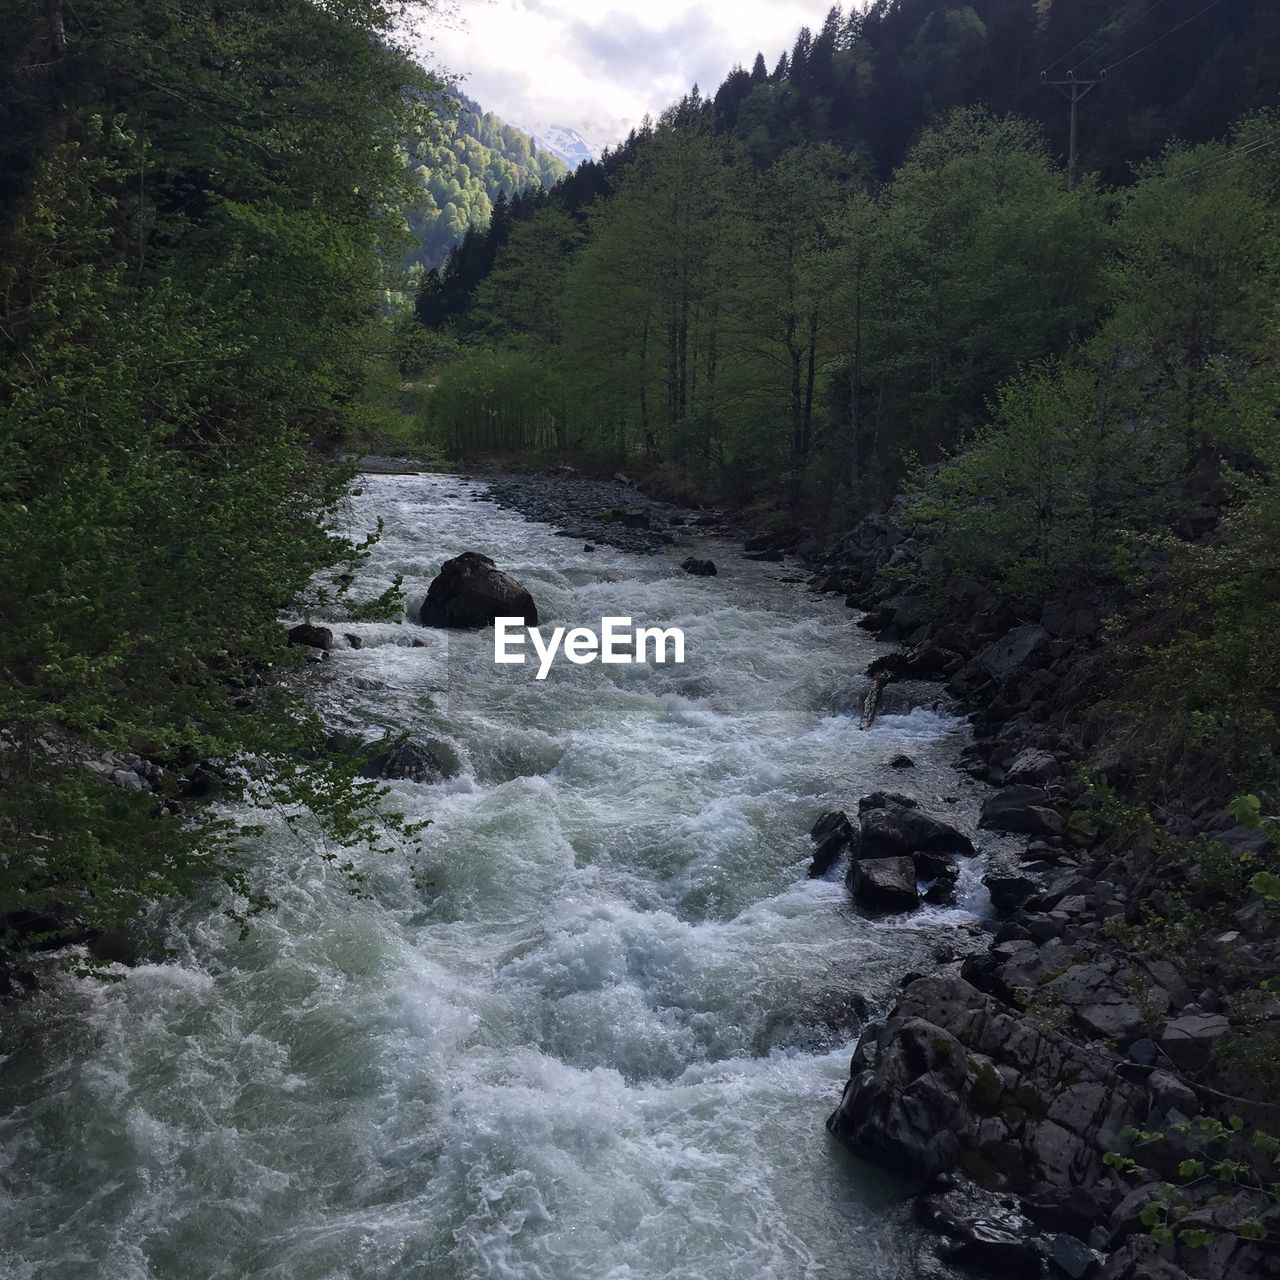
<point x="463" y="171"/>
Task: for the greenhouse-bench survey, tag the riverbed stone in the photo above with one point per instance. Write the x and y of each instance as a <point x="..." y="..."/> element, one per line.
<point x="1008" y="892"/>
<point x="831" y="835"/>
<point x="884" y="884"/>
<point x="1022" y="809"/>
<point x="311" y="636"/>
<point x="699" y="568"/>
<point x="471" y="591"/>
<point x="896" y="831"/>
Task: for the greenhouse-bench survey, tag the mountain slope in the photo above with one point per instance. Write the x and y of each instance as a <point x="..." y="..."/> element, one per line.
<point x="475" y="158"/>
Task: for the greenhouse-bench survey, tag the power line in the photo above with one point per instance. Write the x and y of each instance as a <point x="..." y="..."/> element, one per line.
<point x="1173" y="31"/>
<point x="1074" y="47"/>
<point x="1260" y="144"/>
<point x="1120" y="34"/>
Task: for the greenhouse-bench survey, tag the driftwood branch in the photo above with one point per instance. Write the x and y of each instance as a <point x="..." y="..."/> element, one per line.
<point x="872" y="705"/>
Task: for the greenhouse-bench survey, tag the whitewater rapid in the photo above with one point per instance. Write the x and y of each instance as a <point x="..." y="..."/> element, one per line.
<point x="588" y="1030"/>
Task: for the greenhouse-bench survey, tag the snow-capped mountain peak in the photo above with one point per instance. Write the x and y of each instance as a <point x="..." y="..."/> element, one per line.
<point x="565" y="143"/>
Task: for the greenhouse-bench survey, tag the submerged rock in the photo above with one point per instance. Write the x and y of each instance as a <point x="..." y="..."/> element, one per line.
<point x="699" y="568"/>
<point x="410" y="762"/>
<point x="471" y="591"/>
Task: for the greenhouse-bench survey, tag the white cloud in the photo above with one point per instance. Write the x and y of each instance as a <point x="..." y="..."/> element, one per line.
<point x="600" y="66"/>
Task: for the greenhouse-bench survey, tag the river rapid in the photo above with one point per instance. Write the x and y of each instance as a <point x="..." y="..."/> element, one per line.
<point x="589" y="1030"/>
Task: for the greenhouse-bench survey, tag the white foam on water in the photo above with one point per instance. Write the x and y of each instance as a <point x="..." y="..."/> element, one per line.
<point x="591" y="1034"/>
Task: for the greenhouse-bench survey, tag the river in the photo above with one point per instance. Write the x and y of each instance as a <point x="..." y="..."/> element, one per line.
<point x="589" y="1031"/>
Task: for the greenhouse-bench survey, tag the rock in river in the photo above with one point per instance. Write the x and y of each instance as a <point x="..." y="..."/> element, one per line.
<point x="830" y="835"/>
<point x="885" y="884"/>
<point x="471" y="591"/>
<point x="699" y="568"/>
<point x="306" y="633"/>
<point x="896" y="831"/>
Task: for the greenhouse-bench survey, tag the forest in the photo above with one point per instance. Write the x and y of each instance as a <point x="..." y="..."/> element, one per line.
<point x="188" y="309"/>
<point x="773" y="298"/>
<point x="467" y="159"/>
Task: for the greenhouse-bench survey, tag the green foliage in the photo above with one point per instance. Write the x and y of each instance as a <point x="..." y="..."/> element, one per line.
<point x="1234" y="1158"/>
<point x="186" y="304"/>
<point x="466" y="162"/>
<point x="732" y="324"/>
<point x="496" y="402"/>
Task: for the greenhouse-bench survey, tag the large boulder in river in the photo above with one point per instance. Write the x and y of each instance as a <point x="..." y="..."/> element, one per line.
<point x="471" y="591"/>
<point x="954" y="1080"/>
<point x="410" y="761"/>
<point x="894" y="831"/>
<point x="314" y="637"/>
<point x="885" y="884"/>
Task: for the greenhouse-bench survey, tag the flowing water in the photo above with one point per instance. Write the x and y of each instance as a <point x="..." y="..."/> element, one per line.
<point x="590" y="1030"/>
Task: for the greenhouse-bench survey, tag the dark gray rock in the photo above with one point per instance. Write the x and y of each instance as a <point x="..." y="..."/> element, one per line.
<point x="831" y="835"/>
<point x="312" y="637"/>
<point x="1034" y="767"/>
<point x="935" y="866"/>
<point x="411" y="762"/>
<point x="1069" y="1257"/>
<point x="1144" y="1052"/>
<point x="1141" y="1259"/>
<point x="954" y="1079"/>
<point x="1018" y="650"/>
<point x="1009" y="892"/>
<point x="902" y="762"/>
<point x="699" y="568"/>
<point x="885" y="800"/>
<point x="1072" y="618"/>
<point x="1022" y="809"/>
<point x="630" y="517"/>
<point x="885" y="884"/>
<point x="471" y="591"/>
<point x="895" y="831"/>
<point x="1103" y="1001"/>
<point x="1189" y="1041"/>
<point x="998" y="1249"/>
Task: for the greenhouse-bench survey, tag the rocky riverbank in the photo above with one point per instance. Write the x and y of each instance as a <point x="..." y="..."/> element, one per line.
<point x="612" y="512"/>
<point x="1096" y="1065"/>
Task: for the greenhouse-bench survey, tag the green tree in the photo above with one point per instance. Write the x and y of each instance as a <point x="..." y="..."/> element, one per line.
<point x="186" y="299"/>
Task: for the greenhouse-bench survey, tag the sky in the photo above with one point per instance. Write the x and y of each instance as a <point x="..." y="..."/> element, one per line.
<point x="599" y="66"/>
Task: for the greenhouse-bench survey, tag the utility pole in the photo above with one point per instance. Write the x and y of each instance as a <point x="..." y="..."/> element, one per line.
<point x="1073" y="90"/>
